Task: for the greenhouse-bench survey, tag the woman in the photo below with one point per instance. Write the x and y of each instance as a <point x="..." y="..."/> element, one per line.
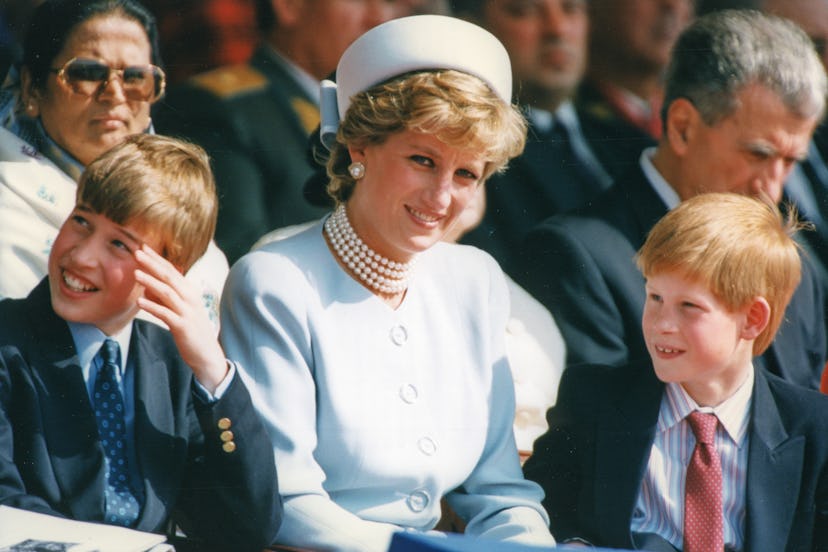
<point x="375" y="351"/>
<point x="89" y="74"/>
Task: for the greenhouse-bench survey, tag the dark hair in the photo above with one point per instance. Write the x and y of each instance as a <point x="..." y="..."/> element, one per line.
<point x="54" y="20"/>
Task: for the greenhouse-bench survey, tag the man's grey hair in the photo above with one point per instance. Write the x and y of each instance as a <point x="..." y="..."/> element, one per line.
<point x="723" y="52"/>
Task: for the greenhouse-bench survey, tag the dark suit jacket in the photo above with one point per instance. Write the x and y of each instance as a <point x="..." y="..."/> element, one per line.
<point x="581" y="267"/>
<point x="616" y="142"/>
<point x="546" y="179"/>
<point x="254" y="120"/>
<point x="51" y="459"/>
<point x="594" y="456"/>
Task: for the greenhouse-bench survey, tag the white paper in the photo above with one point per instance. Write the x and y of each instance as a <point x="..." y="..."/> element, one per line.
<point x="17" y="526"/>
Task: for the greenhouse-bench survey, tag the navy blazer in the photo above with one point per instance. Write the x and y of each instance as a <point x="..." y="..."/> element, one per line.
<point x="52" y="461"/>
<point x="581" y="266"/>
<point x="546" y="179"/>
<point x="594" y="456"/>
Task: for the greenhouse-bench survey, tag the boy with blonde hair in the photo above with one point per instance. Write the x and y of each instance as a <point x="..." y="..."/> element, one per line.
<point x="700" y="451"/>
<point x="111" y="419"/>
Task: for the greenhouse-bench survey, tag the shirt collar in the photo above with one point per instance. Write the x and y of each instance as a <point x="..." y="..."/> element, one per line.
<point x="733" y="413"/>
<point x="545" y="120"/>
<point x="89" y="340"/>
<point x="666" y="192"/>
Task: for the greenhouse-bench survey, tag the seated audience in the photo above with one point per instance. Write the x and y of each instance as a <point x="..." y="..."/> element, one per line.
<point x="744" y="93"/>
<point x="254" y="119"/>
<point x="695" y="450"/>
<point x="557" y="171"/>
<point x="112" y="420"/>
<point x="90" y="71"/>
<point x="621" y="96"/>
<point x="374" y="350"/>
<point x="198" y="35"/>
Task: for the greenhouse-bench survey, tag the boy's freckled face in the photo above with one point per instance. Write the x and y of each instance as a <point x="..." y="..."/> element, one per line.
<point x="92" y="270"/>
<point x="692" y="337"/>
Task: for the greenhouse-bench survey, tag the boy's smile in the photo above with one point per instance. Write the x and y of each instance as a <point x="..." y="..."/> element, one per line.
<point x="92" y="271"/>
<point x="694" y="339"/>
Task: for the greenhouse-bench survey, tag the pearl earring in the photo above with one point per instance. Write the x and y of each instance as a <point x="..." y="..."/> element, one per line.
<point x="357" y="170"/>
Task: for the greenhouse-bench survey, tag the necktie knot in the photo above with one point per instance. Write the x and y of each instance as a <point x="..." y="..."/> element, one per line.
<point x="111" y="353"/>
<point x="703" y="426"/>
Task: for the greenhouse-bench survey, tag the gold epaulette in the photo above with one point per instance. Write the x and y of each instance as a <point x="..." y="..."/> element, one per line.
<point x="231" y="80"/>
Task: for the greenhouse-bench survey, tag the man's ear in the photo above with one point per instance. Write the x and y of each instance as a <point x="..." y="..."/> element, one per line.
<point x="287" y="12"/>
<point x="757" y="318"/>
<point x="682" y="120"/>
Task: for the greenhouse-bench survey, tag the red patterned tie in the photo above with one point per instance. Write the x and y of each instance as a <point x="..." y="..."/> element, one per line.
<point x="703" y="490"/>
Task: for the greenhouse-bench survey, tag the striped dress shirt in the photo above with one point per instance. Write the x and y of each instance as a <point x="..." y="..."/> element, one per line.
<point x="659" y="508"/>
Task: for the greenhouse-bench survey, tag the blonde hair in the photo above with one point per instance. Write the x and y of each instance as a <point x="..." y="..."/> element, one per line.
<point x="457" y="108"/>
<point x="160" y="184"/>
<point x="738" y="247"/>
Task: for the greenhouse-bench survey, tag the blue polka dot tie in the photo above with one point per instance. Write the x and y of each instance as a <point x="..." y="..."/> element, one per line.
<point x="122" y="507"/>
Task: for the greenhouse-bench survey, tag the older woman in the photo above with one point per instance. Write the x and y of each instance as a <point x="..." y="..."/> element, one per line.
<point x="375" y="350"/>
<point x="90" y="71"/>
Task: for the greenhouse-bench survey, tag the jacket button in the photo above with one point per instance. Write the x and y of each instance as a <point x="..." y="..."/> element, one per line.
<point x="427" y="446"/>
<point x="408" y="393"/>
<point x="228" y="447"/>
<point x="226" y="436"/>
<point x="399" y="335"/>
<point x="224" y="423"/>
<point x="418" y="501"/>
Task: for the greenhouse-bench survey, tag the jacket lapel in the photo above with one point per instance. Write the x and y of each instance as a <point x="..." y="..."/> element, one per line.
<point x="775" y="470"/>
<point x="68" y="420"/>
<point x="622" y="451"/>
<point x="154" y="429"/>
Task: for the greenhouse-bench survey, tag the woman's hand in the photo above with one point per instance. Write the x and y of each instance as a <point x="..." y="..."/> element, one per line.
<point x="171" y="298"/>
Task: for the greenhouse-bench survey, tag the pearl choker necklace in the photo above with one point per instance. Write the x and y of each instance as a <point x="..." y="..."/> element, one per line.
<point x="375" y="271"/>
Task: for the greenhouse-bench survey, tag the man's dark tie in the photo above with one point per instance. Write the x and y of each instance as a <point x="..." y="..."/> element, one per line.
<point x="703" y="489"/>
<point x="122" y="507"/>
<point x="551" y="153"/>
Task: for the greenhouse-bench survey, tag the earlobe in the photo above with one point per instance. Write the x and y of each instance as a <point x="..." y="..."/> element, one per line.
<point x="757" y="319"/>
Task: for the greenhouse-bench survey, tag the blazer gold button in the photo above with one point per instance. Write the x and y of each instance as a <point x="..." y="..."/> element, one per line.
<point x="228" y="447"/>
<point x="226" y="436"/>
<point x="224" y="423"/>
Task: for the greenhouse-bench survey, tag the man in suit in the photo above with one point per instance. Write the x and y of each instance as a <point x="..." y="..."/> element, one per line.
<point x="616" y="463"/>
<point x="109" y="419"/>
<point x="629" y="48"/>
<point x="254" y="119"/>
<point x="558" y="170"/>
<point x="737" y="118"/>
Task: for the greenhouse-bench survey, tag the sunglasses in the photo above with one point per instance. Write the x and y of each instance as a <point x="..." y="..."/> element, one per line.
<point x="143" y="83"/>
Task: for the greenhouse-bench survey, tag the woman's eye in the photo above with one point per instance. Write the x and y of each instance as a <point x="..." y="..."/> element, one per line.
<point x="422" y="160"/>
<point x="467" y="174"/>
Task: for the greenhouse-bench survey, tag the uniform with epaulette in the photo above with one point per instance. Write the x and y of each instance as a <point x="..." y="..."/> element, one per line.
<point x="254" y="121"/>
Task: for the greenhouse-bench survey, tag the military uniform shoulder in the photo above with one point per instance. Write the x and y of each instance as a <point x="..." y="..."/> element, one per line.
<point x="232" y="80"/>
